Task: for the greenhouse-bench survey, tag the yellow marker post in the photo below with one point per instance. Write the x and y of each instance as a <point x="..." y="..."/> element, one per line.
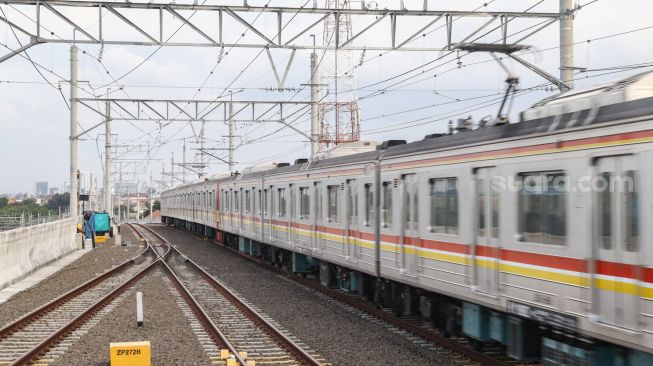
<point x="130" y="353"/>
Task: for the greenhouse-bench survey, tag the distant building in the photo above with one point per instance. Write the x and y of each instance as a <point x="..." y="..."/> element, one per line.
<point x="86" y="182"/>
<point x="41" y="188"/>
<point x="54" y="190"/>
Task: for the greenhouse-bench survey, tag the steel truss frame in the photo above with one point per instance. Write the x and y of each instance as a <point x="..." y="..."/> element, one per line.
<point x="185" y="110"/>
<point x="281" y="40"/>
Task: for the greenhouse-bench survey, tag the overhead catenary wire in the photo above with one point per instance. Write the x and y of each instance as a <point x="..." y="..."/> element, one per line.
<point x="592" y="70"/>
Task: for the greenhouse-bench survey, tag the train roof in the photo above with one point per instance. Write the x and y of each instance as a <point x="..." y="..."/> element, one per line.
<point x="620" y="100"/>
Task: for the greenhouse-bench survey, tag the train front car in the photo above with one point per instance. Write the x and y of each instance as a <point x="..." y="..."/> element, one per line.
<point x="530" y="235"/>
<point x="536" y="226"/>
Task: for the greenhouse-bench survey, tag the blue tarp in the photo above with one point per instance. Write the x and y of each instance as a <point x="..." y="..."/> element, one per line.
<point x="97" y="223"/>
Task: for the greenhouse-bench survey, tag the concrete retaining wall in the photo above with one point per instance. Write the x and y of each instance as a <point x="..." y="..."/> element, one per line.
<point x="24" y="250"/>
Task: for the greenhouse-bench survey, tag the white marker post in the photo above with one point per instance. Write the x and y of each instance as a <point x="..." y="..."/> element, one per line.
<point x="139" y="309"/>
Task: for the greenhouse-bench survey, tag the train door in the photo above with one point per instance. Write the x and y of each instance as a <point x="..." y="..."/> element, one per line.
<point x="264" y="211"/>
<point x="236" y="211"/>
<point x="616" y="271"/>
<point x="292" y="215"/>
<point x="241" y="211"/>
<point x="254" y="211"/>
<point x="486" y="250"/>
<point x="409" y="226"/>
<point x="351" y="225"/>
<point x="317" y="237"/>
<point x="273" y="212"/>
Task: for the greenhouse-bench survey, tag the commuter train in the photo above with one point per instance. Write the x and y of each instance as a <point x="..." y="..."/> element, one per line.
<point x="531" y="234"/>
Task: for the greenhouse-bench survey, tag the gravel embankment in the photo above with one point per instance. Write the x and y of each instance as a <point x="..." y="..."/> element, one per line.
<point x="165" y="326"/>
<point x="339" y="336"/>
<point x="83" y="269"/>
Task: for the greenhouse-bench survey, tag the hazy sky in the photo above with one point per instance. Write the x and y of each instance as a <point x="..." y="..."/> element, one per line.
<point x="34" y="118"/>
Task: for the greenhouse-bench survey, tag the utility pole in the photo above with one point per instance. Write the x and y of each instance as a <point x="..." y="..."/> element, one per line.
<point x="120" y="193"/>
<point x="202" y="165"/>
<point x="115" y="159"/>
<point x="231" y="137"/>
<point x="138" y="197"/>
<point x="107" y="158"/>
<point x="566" y="43"/>
<point x="172" y="170"/>
<point x="73" y="132"/>
<point x="315" y="124"/>
<point x="183" y="170"/>
<point x="163" y="175"/>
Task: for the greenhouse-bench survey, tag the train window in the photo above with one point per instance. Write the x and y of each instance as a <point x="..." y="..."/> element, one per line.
<point x="415" y="206"/>
<point x="258" y="203"/>
<point x="282" y="202"/>
<point x="304" y="203"/>
<point x="411" y="213"/>
<point x="386" y="204"/>
<point x="332" y="204"/>
<point x="604" y="205"/>
<point x="228" y="200"/>
<point x="543" y="208"/>
<point x="253" y="200"/>
<point x="318" y="203"/>
<point x="236" y="202"/>
<point x="632" y="213"/>
<point x="265" y="201"/>
<point x="369" y="205"/>
<point x="352" y="203"/>
<point x="248" y="202"/>
<point x="444" y="206"/>
<point x="494" y="201"/>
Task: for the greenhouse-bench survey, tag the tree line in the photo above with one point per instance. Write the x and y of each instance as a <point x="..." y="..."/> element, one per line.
<point x="58" y="202"/>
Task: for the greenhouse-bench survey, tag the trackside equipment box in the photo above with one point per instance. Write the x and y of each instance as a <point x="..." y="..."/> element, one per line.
<point x="130" y="354"/>
<point x="102" y="223"/>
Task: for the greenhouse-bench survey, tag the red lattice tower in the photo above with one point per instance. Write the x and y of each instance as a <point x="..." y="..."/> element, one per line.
<point x="338" y="113"/>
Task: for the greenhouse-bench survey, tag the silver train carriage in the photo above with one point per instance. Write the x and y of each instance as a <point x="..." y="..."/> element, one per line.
<point x="531" y="234"/>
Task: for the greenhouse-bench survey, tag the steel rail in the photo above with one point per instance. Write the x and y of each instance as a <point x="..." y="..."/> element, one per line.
<point x="417" y="330"/>
<point x="62" y="299"/>
<point x="216" y="334"/>
<point x="73" y="324"/>
<point x="289" y="345"/>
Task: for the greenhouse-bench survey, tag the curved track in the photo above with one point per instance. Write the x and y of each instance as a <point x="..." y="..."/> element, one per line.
<point x="240" y="328"/>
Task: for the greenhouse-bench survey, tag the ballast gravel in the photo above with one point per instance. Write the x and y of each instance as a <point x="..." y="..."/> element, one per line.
<point x="340" y="336"/>
<point x="165" y="326"/>
<point x="89" y="265"/>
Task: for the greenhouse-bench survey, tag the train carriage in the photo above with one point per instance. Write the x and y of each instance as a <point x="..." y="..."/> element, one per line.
<point x="533" y="230"/>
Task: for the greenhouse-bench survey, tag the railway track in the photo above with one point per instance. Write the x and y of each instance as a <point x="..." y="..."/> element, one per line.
<point x="232" y="322"/>
<point x="45" y="333"/>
